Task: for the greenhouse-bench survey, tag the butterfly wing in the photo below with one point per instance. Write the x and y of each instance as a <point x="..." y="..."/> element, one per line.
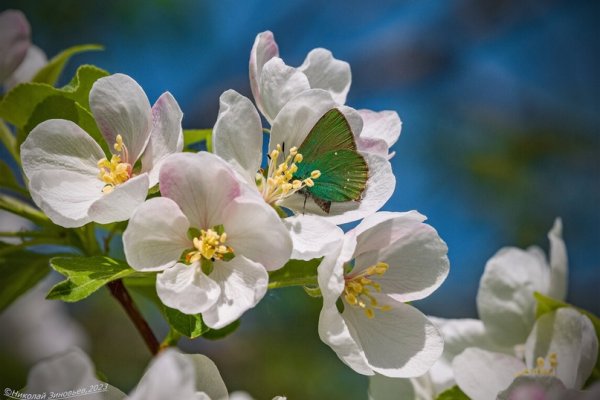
<point x="331" y="132"/>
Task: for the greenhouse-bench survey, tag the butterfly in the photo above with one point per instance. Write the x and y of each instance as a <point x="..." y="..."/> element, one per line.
<point x="330" y="148"/>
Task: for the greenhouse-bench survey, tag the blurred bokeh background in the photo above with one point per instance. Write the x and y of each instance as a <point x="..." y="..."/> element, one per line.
<point x="500" y="101"/>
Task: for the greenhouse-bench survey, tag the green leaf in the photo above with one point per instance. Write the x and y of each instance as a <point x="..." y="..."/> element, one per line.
<point x="295" y="273"/>
<point x="191" y="326"/>
<point x="8" y="180"/>
<point x="51" y="72"/>
<point x="454" y="393"/>
<point x="20" y="271"/>
<point x="215" y="334"/>
<point x="193" y="136"/>
<point x="85" y="275"/>
<point x="8" y="140"/>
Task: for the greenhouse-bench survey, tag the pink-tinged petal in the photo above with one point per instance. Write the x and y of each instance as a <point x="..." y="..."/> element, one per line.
<point x="237" y="135"/>
<point x="335" y="332"/>
<point x="14" y="41"/>
<point x="278" y="84"/>
<point x="537" y="387"/>
<point x="373" y="145"/>
<point x="559" y="263"/>
<point x="298" y="117"/>
<point x="166" y="135"/>
<point x="416" y="255"/>
<point x="119" y="204"/>
<point x="263" y="49"/>
<point x="571" y="336"/>
<point x="201" y="184"/>
<point x="400" y="343"/>
<point x="121" y="107"/>
<point x="312" y="236"/>
<point x="372" y="230"/>
<point x="354" y="119"/>
<point x="156" y="235"/>
<point x="33" y="62"/>
<point x="243" y="284"/>
<point x="187" y="289"/>
<point x="383" y="125"/>
<point x="255" y="231"/>
<point x="325" y="72"/>
<point x="482" y="374"/>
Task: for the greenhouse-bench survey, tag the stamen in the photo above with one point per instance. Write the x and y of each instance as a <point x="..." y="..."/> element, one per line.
<point x="209" y="246"/>
<point x="357" y="290"/>
<point x="116" y="171"/>
<point x="540" y="366"/>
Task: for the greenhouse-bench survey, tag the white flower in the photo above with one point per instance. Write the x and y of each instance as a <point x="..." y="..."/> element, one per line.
<point x="397" y="259"/>
<point x="237" y="238"/>
<point x="505" y="296"/>
<point x="274" y="84"/>
<point x="71" y="179"/>
<point x="238" y="137"/>
<point x="560" y="352"/>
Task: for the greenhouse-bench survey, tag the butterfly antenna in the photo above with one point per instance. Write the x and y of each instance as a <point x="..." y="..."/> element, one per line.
<point x="282" y="147"/>
<point x="304" y="206"/>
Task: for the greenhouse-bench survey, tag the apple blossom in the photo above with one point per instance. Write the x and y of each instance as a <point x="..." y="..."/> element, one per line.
<point x="70" y="177"/>
<point x="397" y="259"/>
<point x="221" y="271"/>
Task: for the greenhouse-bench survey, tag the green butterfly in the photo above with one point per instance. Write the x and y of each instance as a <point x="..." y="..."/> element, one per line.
<point x="331" y="149"/>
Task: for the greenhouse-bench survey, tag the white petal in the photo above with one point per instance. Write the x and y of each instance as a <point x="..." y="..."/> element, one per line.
<point x="400" y="342"/>
<point x="14" y="41"/>
<point x="572" y="337"/>
<point x="171" y="375"/>
<point x="374" y="146"/>
<point x="201" y="184"/>
<point x="312" y="236"/>
<point x="482" y="374"/>
<point x="187" y="289"/>
<point x="354" y="120"/>
<point x="119" y="204"/>
<point x="33" y="62"/>
<point x="335" y="332"/>
<point x="208" y="378"/>
<point x="278" y="84"/>
<point x="330" y="273"/>
<point x="237" y="135"/>
<point x="243" y="284"/>
<point x="505" y="296"/>
<point x="255" y="231"/>
<point x="298" y="117"/>
<point x="166" y="135"/>
<point x="535" y="387"/>
<point x="381" y="217"/>
<point x="263" y="50"/>
<point x="156" y="235"/>
<point x="416" y="255"/>
<point x="559" y="265"/>
<point x="384" y="125"/>
<point x="325" y="72"/>
<point x="121" y="107"/>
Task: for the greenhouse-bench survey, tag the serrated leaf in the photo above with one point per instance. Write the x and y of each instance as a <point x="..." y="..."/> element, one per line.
<point x="196" y="136"/>
<point x="215" y="334"/>
<point x="51" y="72"/>
<point x="191" y="326"/>
<point x="20" y="271"/>
<point x="294" y="273"/>
<point x="454" y="393"/>
<point x="85" y="275"/>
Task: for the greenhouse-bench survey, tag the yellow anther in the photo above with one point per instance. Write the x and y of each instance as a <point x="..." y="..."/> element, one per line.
<point x="209" y="245"/>
<point x="540" y="366"/>
<point x="369" y="313"/>
<point x="553" y="358"/>
<point x="358" y="287"/>
<point x="118" y="146"/>
<point x="315" y="174"/>
<point x="293" y="151"/>
<point x="298" y="158"/>
<point x="309" y="182"/>
<point x="275" y="154"/>
<point x="296" y="184"/>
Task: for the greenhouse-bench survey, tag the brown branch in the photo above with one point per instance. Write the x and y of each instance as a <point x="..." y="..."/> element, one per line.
<point x="119" y="292"/>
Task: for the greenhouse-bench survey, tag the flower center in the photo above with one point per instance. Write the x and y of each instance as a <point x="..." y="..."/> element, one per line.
<point x="209" y="246"/>
<point x="278" y="183"/>
<point x="540" y="366"/>
<point x="116" y="171"/>
<point x="357" y="290"/>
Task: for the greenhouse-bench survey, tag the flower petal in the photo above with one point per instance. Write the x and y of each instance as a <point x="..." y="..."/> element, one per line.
<point x="330" y="273"/>
<point x="505" y="296"/>
<point x="416" y="255"/>
<point x="255" y="231"/>
<point x="263" y="49"/>
<point x="237" y="135"/>
<point x="399" y="343"/>
<point x="201" y="184"/>
<point x="121" y="107"/>
<point x="373" y="145"/>
<point x="559" y="264"/>
<point x="325" y="72"/>
<point x="166" y="135"/>
<point x="187" y="289"/>
<point x="119" y="204"/>
<point x="208" y="378"/>
<point x="156" y="235"/>
<point x="312" y="236"/>
<point x="534" y="387"/>
<point x="383" y="125"/>
<point x="33" y="62"/>
<point x="572" y="337"/>
<point x="243" y="284"/>
<point x="14" y="41"/>
<point x="278" y="84"/>
<point x="482" y="374"/>
<point x="335" y="332"/>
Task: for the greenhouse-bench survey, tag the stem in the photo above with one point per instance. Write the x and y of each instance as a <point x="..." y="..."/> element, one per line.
<point x="10" y="142"/>
<point x="307" y="281"/>
<point x="33" y="242"/>
<point x="24" y="210"/>
<point x="119" y="292"/>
